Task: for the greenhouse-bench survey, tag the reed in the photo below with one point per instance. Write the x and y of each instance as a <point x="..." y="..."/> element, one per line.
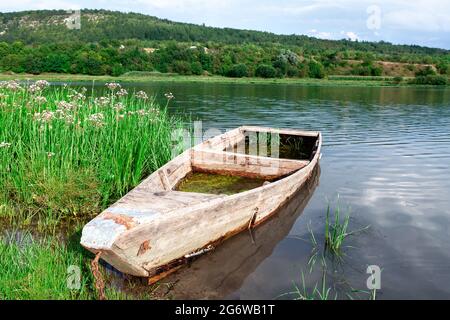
<point x="320" y="291"/>
<point x="336" y="229"/>
<point x="65" y="153"/>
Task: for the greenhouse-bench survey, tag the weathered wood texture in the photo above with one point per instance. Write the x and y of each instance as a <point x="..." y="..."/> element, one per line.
<point x="172" y="224"/>
<point x="244" y="165"/>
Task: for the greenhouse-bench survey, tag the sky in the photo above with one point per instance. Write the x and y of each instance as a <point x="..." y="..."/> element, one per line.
<point x="422" y="22"/>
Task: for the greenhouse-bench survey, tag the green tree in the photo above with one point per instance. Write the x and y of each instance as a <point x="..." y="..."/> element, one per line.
<point x="281" y="65"/>
<point x="237" y="71"/>
<point x="56" y="62"/>
<point x="89" y="62"/>
<point x="181" y="67"/>
<point x="196" y="68"/>
<point x="265" y="71"/>
<point x="316" y="70"/>
<point x="117" y="70"/>
<point x="12" y="62"/>
<point x="33" y="64"/>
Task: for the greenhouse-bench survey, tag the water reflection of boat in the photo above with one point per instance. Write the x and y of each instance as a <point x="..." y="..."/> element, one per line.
<point x="221" y="272"/>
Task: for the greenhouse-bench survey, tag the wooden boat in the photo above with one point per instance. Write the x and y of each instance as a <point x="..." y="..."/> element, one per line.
<point x="155" y="228"/>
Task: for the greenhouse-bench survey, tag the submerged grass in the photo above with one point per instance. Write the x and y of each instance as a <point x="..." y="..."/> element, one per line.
<point x="335" y="232"/>
<point x="326" y="248"/>
<point x="336" y="229"/>
<point x="66" y="154"/>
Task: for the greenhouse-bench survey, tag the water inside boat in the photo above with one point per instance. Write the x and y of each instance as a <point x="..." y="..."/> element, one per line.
<point x="282" y="146"/>
<point x="217" y="183"/>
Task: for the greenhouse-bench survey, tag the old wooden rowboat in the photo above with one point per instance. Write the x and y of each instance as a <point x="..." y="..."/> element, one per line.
<point x="155" y="228"/>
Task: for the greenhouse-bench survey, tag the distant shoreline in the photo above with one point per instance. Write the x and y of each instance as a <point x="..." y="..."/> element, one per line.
<point x="359" y="81"/>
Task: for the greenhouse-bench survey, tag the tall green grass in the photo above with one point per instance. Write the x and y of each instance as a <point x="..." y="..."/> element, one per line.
<point x="42" y="268"/>
<point x="39" y="271"/>
<point x="64" y="153"/>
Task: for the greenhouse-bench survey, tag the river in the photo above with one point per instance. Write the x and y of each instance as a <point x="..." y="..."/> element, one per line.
<point x="386" y="161"/>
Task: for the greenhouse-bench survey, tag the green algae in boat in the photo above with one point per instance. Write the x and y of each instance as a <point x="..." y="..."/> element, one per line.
<point x="217" y="183"/>
<point x="156" y="228"/>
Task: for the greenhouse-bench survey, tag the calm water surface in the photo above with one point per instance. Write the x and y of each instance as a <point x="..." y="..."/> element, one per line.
<point x="386" y="153"/>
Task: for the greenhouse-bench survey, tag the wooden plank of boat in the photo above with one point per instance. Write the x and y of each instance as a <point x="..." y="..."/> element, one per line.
<point x="155" y="228"/>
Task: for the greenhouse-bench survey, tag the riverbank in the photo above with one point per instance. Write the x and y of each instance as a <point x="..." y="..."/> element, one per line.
<point x="64" y="158"/>
<point x="142" y="77"/>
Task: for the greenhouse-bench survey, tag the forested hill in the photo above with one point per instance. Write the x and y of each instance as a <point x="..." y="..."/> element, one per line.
<point x="115" y="42"/>
<point x="38" y="27"/>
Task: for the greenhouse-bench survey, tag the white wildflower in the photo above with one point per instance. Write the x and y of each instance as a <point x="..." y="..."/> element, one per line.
<point x="97" y="119"/>
<point x="44" y="116"/>
<point x="42" y="83"/>
<point x="141" y="113"/>
<point x="40" y="99"/>
<point x="141" y="95"/>
<point x="77" y="96"/>
<point x="102" y="101"/>
<point x="122" y="92"/>
<point x="119" y="106"/>
<point x="11" y="85"/>
<point x="169" y="96"/>
<point x="64" y="105"/>
<point x="38" y="86"/>
<point x="113" y="86"/>
<point x="5" y="145"/>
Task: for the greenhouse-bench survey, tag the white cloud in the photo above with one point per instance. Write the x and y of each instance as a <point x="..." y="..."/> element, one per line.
<point x="320" y="34"/>
<point x="19" y="5"/>
<point x="419" y="21"/>
<point x="350" y="35"/>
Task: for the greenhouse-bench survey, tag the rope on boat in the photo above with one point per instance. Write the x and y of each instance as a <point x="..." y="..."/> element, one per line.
<point x="98" y="279"/>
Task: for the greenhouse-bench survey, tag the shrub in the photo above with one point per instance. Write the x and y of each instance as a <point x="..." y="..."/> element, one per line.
<point x="182" y="67"/>
<point x="428" y="71"/>
<point x="196" y="68"/>
<point x="397" y="79"/>
<point x="117" y="70"/>
<point x="431" y="80"/>
<point x="265" y="71"/>
<point x="281" y="66"/>
<point x="292" y="71"/>
<point x="316" y="70"/>
<point x="237" y="71"/>
<point x="376" y="71"/>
